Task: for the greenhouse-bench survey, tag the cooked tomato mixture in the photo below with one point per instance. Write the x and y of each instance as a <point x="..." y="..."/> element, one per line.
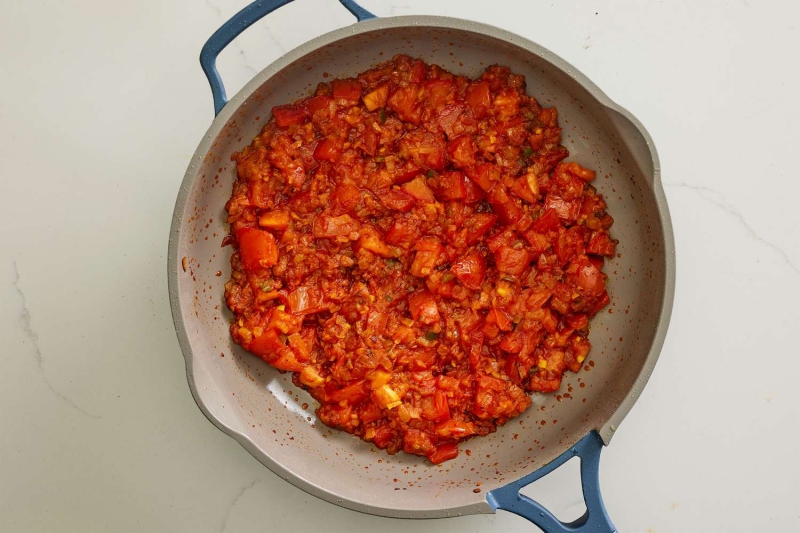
<point x="411" y="245"/>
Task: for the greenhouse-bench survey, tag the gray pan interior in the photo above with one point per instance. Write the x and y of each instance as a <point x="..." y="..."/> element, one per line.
<point x="275" y="422"/>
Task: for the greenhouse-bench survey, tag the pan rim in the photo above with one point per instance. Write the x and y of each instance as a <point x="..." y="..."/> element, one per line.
<point x="606" y="431"/>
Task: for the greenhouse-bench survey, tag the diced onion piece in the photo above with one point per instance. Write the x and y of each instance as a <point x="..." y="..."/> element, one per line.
<point x="310" y="377"/>
<point x="376" y="98"/>
<point x="386" y="397"/>
<point x="379" y="379"/>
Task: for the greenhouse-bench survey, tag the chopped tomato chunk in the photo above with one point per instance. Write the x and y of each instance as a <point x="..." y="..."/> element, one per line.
<point x="258" y="248"/>
<point x="471" y="270"/>
<point x="397" y="200"/>
<point x="601" y="244"/>
<point x="423" y="307"/>
<point x="479" y="97"/>
<point x="328" y="149"/>
<point x="288" y="115"/>
<point x="346" y="89"/>
<point x="404" y="102"/>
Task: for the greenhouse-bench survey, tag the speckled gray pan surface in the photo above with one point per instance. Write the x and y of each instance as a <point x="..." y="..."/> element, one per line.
<point x="275" y="421"/>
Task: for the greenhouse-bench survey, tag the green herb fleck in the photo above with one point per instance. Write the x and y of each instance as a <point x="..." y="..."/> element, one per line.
<point x="382" y="116"/>
<point x="267" y="285"/>
<point x="431" y="336"/>
<point x="527" y="152"/>
<point x="387" y="297"/>
<point x="431" y="173"/>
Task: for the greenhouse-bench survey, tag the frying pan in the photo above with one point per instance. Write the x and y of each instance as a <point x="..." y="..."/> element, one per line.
<point x="271" y="418"/>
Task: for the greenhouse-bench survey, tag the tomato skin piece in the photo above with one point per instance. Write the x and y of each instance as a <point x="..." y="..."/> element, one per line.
<point x="288" y="115"/>
<point x="347" y="89"/>
<point x="441" y="406"/>
<point x="470" y="270"/>
<point x="444" y="452"/>
<point x="583" y="173"/>
<point x="257" y="247"/>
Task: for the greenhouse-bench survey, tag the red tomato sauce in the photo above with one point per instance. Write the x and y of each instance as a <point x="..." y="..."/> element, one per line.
<point x="411" y="245"/>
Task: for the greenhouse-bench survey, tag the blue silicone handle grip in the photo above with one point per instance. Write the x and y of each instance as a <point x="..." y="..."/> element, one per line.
<point x="594" y="520"/>
<point x="235" y="26"/>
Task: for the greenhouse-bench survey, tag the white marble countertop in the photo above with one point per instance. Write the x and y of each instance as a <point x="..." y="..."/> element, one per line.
<point x="101" y="106"/>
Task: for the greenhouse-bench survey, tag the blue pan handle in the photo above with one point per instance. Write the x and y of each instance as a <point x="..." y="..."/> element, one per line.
<point x="594" y="520"/>
<point x="235" y="26"/>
